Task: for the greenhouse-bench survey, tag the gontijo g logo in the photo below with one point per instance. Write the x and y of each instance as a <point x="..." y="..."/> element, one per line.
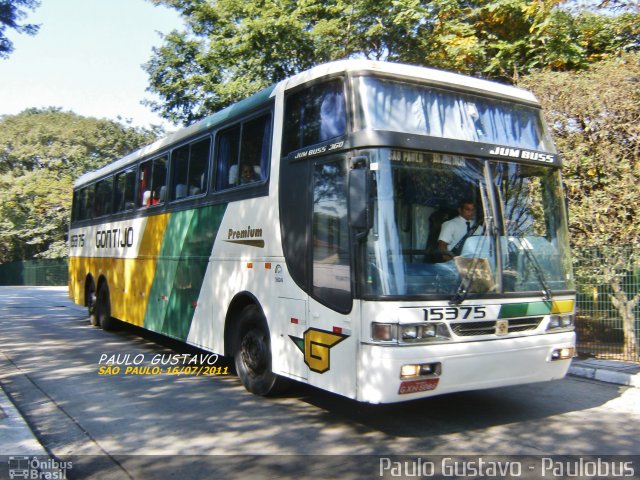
<point x="316" y="346"/>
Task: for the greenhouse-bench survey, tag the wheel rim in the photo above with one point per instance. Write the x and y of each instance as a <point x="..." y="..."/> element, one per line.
<point x="254" y="352"/>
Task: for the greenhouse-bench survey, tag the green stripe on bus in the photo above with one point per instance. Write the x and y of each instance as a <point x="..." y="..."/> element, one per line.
<point x="182" y="264"/>
<point x="513" y="310"/>
<point x="525" y="309"/>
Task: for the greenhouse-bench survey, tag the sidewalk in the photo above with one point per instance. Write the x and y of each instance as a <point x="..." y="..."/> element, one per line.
<point x="610" y="371"/>
<point x="16" y="438"/>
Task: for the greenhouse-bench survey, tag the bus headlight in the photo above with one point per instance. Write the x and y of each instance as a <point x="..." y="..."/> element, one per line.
<point x="421" y="370"/>
<point x="564" y="353"/>
<point x="561" y="323"/>
<point x="384" y="332"/>
<point x="410" y="333"/>
<point x="424" y="332"/>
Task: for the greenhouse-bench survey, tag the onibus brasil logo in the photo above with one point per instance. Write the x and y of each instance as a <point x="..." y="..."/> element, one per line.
<point x="38" y="468"/>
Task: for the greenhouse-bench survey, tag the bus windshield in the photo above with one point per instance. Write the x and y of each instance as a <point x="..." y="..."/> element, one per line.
<point x="425" y="110"/>
<point x="516" y="242"/>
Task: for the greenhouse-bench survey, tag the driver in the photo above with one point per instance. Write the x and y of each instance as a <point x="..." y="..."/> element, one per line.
<point x="455" y="230"/>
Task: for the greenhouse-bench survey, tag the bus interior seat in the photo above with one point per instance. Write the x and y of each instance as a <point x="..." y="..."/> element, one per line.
<point x="162" y="196"/>
<point x="181" y="190"/>
<point x="146" y="198"/>
<point x="415" y="229"/>
<point x="233" y="174"/>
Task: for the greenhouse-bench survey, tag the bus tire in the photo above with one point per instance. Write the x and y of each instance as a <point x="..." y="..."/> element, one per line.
<point x="90" y="301"/>
<point x="102" y="310"/>
<point x="252" y="354"/>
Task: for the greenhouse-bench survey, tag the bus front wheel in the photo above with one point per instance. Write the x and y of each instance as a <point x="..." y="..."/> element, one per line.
<point x="252" y="354"/>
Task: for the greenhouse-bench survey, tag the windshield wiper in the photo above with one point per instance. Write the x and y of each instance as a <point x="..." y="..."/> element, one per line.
<point x="533" y="261"/>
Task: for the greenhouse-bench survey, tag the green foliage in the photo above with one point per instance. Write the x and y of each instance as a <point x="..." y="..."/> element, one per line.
<point x="41" y="154"/>
<point x="594" y="119"/>
<point x="233" y="48"/>
<point x="594" y="115"/>
<point x="11" y="13"/>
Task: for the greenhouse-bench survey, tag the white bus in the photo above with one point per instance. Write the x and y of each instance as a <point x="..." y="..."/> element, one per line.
<point x="298" y="231"/>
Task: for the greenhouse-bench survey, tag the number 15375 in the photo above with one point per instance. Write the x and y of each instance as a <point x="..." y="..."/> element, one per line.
<point x="471" y="312"/>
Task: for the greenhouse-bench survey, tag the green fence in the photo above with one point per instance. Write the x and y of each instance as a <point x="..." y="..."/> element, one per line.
<point x="42" y="272"/>
<point x="608" y="308"/>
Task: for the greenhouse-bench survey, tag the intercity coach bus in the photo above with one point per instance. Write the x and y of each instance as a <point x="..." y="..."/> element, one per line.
<point x="297" y="232"/>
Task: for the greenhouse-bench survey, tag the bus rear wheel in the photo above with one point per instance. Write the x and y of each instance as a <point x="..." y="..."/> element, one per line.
<point x="90" y="302"/>
<point x="102" y="309"/>
<point x="252" y="355"/>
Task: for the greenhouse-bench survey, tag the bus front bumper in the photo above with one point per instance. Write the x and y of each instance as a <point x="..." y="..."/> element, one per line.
<point x="456" y="367"/>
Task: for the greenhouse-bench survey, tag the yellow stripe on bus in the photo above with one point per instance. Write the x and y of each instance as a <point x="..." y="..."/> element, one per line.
<point x="129" y="279"/>
<point x="138" y="274"/>
<point x="562" y="306"/>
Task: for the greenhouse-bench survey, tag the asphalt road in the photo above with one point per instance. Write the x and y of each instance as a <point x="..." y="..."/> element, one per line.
<point x="144" y="426"/>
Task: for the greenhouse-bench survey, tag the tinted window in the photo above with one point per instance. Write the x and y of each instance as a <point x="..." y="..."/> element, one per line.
<point x="86" y="203"/>
<point x="153" y="180"/>
<point x="125" y="191"/>
<point x="190" y="167"/>
<point x="331" y="263"/>
<point x="103" y="197"/>
<point x="314" y="115"/>
<point x="243" y="153"/>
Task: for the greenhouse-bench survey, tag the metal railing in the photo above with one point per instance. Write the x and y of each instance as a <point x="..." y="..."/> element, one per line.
<point x="608" y="302"/>
<point x="40" y="272"/>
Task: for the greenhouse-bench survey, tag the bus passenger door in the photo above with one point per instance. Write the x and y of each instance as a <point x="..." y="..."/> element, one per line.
<point x="329" y="343"/>
<point x="292" y="319"/>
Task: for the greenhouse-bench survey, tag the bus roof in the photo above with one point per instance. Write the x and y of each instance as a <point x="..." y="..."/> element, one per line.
<point x="158" y="146"/>
<point x="430" y="75"/>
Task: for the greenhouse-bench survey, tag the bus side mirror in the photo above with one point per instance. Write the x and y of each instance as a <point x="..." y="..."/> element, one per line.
<point x="360" y="214"/>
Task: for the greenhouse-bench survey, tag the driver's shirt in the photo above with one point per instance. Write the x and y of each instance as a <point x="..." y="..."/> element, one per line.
<point x="453" y="230"/>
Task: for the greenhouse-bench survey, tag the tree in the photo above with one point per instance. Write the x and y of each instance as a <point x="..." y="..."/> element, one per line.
<point x="231" y="49"/>
<point x="11" y="13"/>
<point x="594" y="115"/>
<point x="41" y="154"/>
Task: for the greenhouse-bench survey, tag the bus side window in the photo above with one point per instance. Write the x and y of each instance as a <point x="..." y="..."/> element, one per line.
<point x="152" y="184"/>
<point x="180" y="165"/>
<point x="159" y="181"/>
<point x="103" y="197"/>
<point x="227" y="166"/>
<point x="199" y="166"/>
<point x="145" y="184"/>
<point x="314" y="115"/>
<point x="86" y="203"/>
<point x="243" y="153"/>
<point x="254" y="150"/>
<point x="190" y="167"/>
<point x="125" y="191"/>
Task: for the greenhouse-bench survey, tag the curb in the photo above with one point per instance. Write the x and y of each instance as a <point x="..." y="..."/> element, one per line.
<point x="619" y="373"/>
<point x="16" y="437"/>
